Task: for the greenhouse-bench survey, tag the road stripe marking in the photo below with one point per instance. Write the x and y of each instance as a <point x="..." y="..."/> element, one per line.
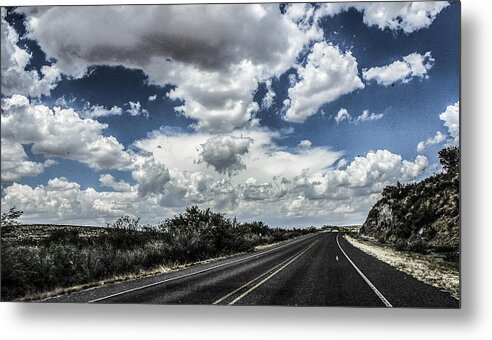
<point x="270" y="276"/>
<point x="373" y="287"/>
<point x="194" y="273"/>
<point x="255" y="279"/>
<point x="250" y="282"/>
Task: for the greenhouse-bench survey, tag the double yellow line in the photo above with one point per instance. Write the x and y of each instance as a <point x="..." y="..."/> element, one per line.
<point x="261" y="279"/>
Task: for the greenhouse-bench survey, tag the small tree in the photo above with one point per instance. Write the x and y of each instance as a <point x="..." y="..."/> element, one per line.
<point x="450" y="158"/>
<point x="10" y="217"/>
<point x="126" y="223"/>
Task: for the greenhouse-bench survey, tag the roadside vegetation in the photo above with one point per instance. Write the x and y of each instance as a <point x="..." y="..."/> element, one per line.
<point x="40" y="258"/>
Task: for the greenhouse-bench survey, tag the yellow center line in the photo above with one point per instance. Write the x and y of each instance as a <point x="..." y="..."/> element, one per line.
<point x="253" y="280"/>
<point x="271" y="275"/>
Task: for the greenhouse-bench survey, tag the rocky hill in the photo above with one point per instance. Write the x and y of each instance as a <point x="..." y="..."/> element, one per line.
<point x="421" y="216"/>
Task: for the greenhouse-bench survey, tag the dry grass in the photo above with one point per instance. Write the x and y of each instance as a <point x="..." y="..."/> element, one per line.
<point x="118" y="278"/>
<point x="431" y="270"/>
<point x="141" y="274"/>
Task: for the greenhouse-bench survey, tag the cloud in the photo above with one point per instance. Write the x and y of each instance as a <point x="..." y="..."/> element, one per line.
<point x="218" y="101"/>
<point x="271" y="174"/>
<point x="365" y="116"/>
<point x="305" y="143"/>
<point x="269" y="97"/>
<point x="64" y="103"/>
<point x="215" y="55"/>
<point x="136" y="109"/>
<point x="451" y="118"/>
<point x="15" y="165"/>
<point x="172" y="187"/>
<point x="363" y="176"/>
<point x="438" y="138"/>
<point x="224" y="153"/>
<point x="342" y="163"/>
<point x="327" y="194"/>
<point x="328" y="74"/>
<point x="395" y="16"/>
<point x="264" y="160"/>
<point x="97" y="111"/>
<point x="411" y="66"/>
<point x="268" y="191"/>
<point x="62" y="200"/>
<point x="152" y="98"/>
<point x="406" y="16"/>
<point x="342" y="115"/>
<point x="61" y="133"/>
<point x="188" y="187"/>
<point x="108" y="181"/>
<point x="15" y="78"/>
<point x="151" y="176"/>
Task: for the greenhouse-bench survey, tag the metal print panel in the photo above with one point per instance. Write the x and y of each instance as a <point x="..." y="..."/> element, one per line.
<point x="232" y="154"/>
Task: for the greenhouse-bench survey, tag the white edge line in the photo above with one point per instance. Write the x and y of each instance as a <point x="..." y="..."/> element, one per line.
<point x="194" y="273"/>
<point x="373" y="287"/>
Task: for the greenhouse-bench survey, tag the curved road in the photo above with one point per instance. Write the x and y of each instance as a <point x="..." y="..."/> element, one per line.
<point x="320" y="270"/>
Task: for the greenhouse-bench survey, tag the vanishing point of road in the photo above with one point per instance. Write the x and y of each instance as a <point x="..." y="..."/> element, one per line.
<point x="319" y="270"/>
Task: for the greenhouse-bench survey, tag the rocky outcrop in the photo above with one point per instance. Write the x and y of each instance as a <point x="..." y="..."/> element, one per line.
<point x="419" y="216"/>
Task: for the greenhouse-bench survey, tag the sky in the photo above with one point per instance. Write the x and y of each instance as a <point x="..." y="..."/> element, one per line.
<point x="293" y="114"/>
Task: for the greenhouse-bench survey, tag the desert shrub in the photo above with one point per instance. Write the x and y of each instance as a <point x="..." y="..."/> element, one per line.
<point x="63" y="236"/>
<point x="401" y="245"/>
<point x="418" y="247"/>
<point x="11" y="217"/>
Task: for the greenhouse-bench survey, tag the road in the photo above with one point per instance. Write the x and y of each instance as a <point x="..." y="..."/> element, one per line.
<point x="321" y="270"/>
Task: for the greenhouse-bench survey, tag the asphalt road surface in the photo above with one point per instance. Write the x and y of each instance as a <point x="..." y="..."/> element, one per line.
<point x="320" y="270"/>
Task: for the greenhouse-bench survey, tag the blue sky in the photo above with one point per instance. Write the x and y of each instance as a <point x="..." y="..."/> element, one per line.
<point x="294" y="114"/>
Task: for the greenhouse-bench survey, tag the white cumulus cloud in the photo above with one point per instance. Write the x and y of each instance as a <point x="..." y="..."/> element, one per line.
<point x="305" y="143"/>
<point x="108" y="181"/>
<point x="342" y="115"/>
<point x="224" y="153"/>
<point x="60" y="133"/>
<point x="451" y="118"/>
<point x="152" y="176"/>
<point x="328" y="74"/>
<point x="136" y="109"/>
<point x="269" y="97"/>
<point x="15" y="165"/>
<point x="414" y="65"/>
<point x="96" y="111"/>
<point x="365" y="116"/>
<point x="438" y="138"/>
<point x="215" y="55"/>
<point x="15" y="78"/>
<point x="406" y="16"/>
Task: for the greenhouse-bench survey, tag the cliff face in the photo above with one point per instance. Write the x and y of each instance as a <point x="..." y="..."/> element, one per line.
<point x="419" y="216"/>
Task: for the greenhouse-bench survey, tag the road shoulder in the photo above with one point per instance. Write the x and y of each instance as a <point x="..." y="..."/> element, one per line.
<point x="430" y="270"/>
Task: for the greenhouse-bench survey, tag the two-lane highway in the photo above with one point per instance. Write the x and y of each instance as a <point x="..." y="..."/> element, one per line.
<point x="320" y="270"/>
